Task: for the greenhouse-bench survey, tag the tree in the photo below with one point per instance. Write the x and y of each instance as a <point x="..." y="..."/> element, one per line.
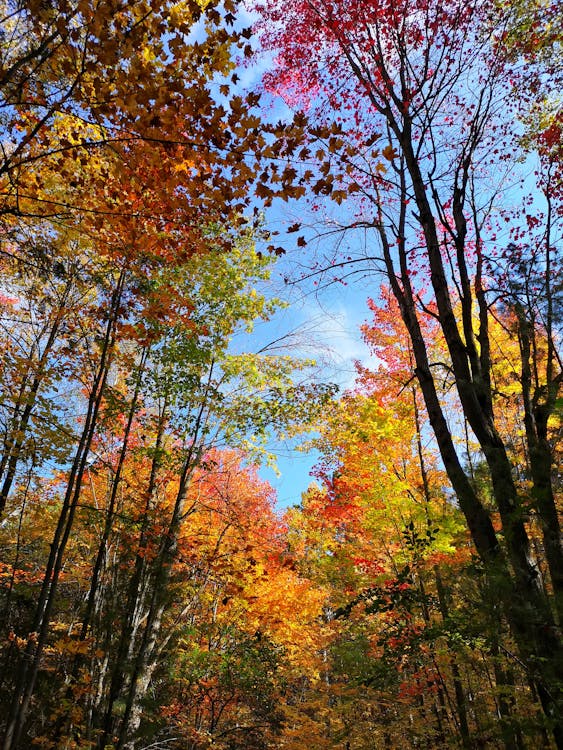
<point x="81" y="80"/>
<point x="255" y="624"/>
<point x="126" y="497"/>
<point x="437" y="82"/>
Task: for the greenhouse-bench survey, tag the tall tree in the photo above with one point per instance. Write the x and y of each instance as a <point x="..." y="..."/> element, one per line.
<point x="158" y="390"/>
<point x="438" y="83"/>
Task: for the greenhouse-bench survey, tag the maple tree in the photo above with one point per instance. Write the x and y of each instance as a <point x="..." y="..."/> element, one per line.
<point x="256" y="619"/>
<point x="116" y="174"/>
<point x="174" y="393"/>
<point x="433" y="80"/>
<point x="414" y="622"/>
<point x="150" y="594"/>
<point x="118" y="166"/>
<point x="81" y="80"/>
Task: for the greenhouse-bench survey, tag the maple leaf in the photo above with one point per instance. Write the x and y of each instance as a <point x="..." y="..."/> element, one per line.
<point x="390" y="152"/>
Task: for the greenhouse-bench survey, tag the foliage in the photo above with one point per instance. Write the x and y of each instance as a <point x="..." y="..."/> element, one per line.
<point x="150" y="593"/>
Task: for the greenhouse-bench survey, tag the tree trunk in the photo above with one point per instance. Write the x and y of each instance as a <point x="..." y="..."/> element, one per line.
<point x="30" y="661"/>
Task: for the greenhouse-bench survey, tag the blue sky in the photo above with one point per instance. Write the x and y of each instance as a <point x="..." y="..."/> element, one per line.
<point x="320" y="322"/>
<point x="324" y="325"/>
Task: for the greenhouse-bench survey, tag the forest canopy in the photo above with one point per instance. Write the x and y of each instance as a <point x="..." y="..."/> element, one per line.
<point x="152" y="594"/>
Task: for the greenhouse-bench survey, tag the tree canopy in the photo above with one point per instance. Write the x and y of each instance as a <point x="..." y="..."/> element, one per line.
<point x="152" y="595"/>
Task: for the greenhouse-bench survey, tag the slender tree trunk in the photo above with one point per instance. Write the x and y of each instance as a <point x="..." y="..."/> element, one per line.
<point x="30" y="661"/>
<point x="112" y="502"/>
<point x="459" y="692"/>
<point x="159" y="576"/>
<point x="93" y="598"/>
<point x="167" y="554"/>
<point x="27" y="399"/>
<point x="504" y="679"/>
<point x="135" y="602"/>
